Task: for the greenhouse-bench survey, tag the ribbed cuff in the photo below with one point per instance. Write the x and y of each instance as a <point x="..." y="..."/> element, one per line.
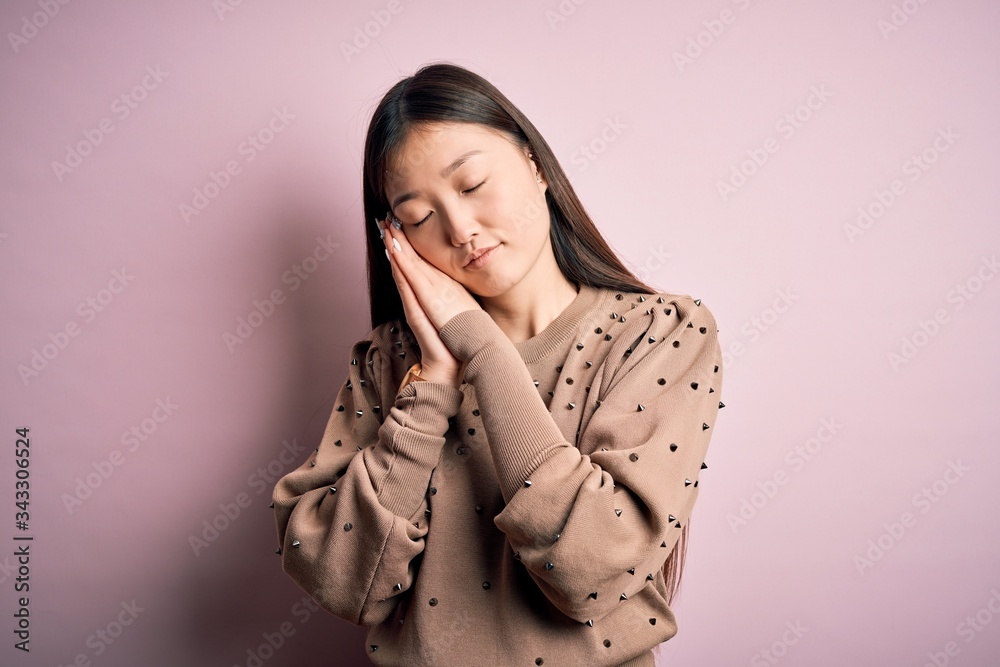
<point x="521" y="431"/>
<point x="410" y="444"/>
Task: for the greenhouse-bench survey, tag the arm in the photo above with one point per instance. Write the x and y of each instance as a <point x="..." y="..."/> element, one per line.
<point x="618" y="499"/>
<point x="350" y="520"/>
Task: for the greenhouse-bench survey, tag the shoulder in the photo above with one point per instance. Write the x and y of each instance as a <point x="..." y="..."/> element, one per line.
<point x="655" y="333"/>
<point x="664" y="313"/>
<point x="386" y="351"/>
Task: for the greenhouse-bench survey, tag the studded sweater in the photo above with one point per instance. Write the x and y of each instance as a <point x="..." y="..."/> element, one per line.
<point x="522" y="518"/>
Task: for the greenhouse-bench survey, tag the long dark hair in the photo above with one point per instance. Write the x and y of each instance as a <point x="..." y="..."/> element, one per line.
<point x="444" y="92"/>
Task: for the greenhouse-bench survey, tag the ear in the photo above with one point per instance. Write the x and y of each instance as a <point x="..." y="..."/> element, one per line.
<point x="536" y="171"/>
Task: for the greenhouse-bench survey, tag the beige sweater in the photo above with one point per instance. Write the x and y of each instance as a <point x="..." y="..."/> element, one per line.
<point x="523" y="518"/>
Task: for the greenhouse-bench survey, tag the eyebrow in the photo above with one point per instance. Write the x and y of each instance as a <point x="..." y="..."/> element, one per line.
<point x="459" y="161"/>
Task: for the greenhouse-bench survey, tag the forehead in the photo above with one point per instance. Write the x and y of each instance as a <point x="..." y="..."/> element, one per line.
<point x="428" y="148"/>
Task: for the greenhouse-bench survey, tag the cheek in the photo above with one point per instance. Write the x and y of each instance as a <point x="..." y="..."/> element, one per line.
<point x="522" y="210"/>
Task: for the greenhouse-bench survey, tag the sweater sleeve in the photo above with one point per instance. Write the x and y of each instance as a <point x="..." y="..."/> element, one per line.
<point x="594" y="523"/>
<point x="350" y="519"/>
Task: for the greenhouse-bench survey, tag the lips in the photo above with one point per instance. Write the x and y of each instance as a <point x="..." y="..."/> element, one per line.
<point x="479" y="253"/>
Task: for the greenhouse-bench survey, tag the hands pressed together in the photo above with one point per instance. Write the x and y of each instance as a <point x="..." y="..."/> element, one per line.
<point x="430" y="298"/>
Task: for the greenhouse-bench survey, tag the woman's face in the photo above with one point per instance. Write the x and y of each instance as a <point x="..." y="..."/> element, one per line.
<point x="460" y="188"/>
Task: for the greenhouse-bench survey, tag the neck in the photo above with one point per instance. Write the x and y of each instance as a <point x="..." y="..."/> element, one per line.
<point x="524" y="310"/>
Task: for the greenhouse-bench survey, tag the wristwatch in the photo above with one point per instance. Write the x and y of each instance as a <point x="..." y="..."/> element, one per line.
<point x="412" y="375"/>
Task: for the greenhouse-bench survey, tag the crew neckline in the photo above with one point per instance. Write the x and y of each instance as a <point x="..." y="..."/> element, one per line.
<point x="549" y="338"/>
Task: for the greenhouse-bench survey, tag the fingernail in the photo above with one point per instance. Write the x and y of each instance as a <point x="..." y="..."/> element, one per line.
<point x="396" y="223"/>
<point x="395" y="244"/>
<point x="386" y="253"/>
<point x="381" y="232"/>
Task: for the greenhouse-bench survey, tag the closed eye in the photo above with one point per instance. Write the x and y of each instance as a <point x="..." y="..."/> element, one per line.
<point x="463" y="192"/>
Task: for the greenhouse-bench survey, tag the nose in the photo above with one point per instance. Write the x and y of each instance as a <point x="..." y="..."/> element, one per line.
<point x="462" y="226"/>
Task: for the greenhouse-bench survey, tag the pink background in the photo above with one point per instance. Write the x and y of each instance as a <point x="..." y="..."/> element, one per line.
<point x="646" y="139"/>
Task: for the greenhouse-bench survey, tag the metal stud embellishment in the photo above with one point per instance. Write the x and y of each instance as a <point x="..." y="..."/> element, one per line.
<point x="618" y="512"/>
<point x="704" y="426"/>
<point x="673" y="447"/>
<point x="631" y="570"/>
<point x="687" y="482"/>
<point x="633" y="457"/>
<point x="433" y="602"/>
<point x="338" y="443"/>
<point x="333" y="489"/>
<point x="590" y="622"/>
<point x="295" y="543"/>
<point x="571" y="405"/>
<point x="649" y="577"/>
<point x="640" y="408"/>
<point x="374" y="647"/>
<point x="549" y="566"/>
<point x="697" y="302"/>
<point x="623" y="597"/>
<point x="398" y="587"/>
<point x="694" y="385"/>
<point x="671" y="518"/>
<point x="651" y="339"/>
<point x="607" y="643"/>
<point x="271" y="505"/>
<point x="278" y="551"/>
<point x="593" y="596"/>
<point x="348" y="526"/>
<point x="579" y="346"/>
<point x="527" y="482"/>
<point x="703" y="465"/>
<point x="486" y="585"/>
<point x="652" y="621"/>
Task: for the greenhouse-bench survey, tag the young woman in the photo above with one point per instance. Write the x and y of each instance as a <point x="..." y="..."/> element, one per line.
<point x="508" y="472"/>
